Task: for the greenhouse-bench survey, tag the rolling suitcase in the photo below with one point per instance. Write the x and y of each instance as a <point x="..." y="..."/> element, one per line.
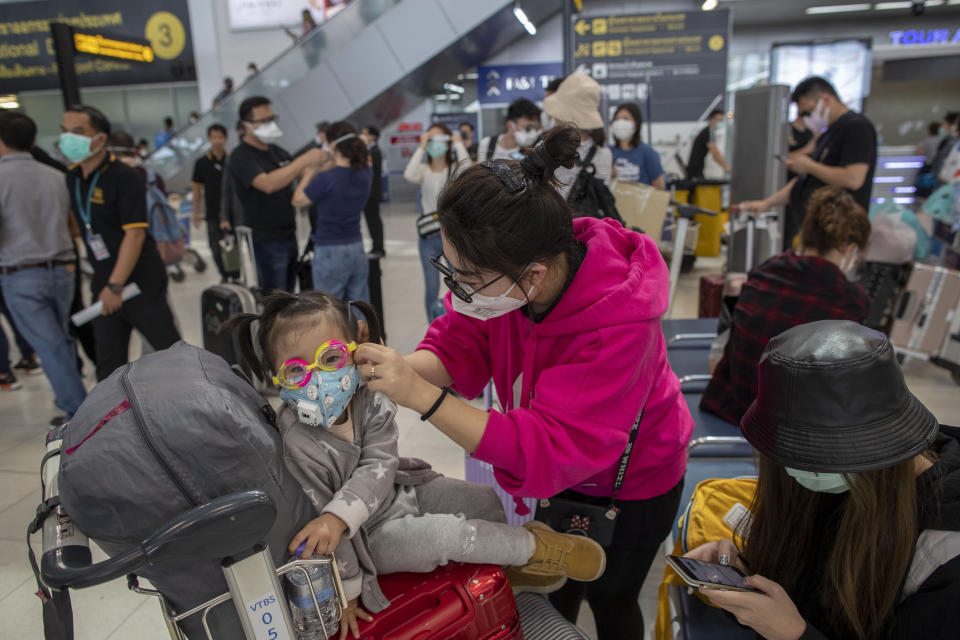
<point x="926" y="310"/>
<point x="222" y="301"/>
<point x="454" y="602"/>
<point x="711" y="296"/>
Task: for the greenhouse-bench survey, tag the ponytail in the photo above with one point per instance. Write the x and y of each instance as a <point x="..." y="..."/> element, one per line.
<point x="502" y="215"/>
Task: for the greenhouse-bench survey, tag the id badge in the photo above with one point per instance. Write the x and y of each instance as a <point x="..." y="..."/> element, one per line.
<point x="98" y="246"/>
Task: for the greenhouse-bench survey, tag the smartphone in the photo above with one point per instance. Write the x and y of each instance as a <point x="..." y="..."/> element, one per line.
<point x="709" y="575"/>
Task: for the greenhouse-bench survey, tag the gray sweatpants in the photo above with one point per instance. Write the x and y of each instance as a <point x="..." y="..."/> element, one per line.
<point x="459" y="521"/>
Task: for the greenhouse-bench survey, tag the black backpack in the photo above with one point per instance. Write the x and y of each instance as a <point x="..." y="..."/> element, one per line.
<point x="589" y="196"/>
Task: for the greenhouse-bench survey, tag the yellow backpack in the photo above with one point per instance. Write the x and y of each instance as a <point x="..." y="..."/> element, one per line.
<point x="719" y="508"/>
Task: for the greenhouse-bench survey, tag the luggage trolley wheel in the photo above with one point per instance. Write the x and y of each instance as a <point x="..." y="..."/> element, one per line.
<point x="176" y="273"/>
<point x="196" y="261"/>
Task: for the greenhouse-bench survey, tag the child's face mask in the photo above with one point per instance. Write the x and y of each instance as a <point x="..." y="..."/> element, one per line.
<point x="320" y="391"/>
<point x="322" y="401"/>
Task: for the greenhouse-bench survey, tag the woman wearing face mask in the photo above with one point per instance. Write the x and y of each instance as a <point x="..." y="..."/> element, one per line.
<point x="564" y="315"/>
<point x="855" y="528"/>
<point x="340" y="194"/>
<point x="792" y="289"/>
<point x="634" y="160"/>
<point x="446" y="158"/>
<point x="577" y="101"/>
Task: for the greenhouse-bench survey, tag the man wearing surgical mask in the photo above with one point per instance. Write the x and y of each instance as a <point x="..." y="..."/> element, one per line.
<point x="706" y="143"/>
<point x="109" y="203"/>
<point x="523" y="129"/>
<point x="845" y="155"/>
<point x="263" y="174"/>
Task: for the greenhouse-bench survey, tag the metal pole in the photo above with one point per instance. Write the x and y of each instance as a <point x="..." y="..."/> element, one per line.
<point x="567" y="37"/>
<point x="66" y="68"/>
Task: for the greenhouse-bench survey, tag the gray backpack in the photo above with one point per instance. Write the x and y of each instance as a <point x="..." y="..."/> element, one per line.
<point x="171" y="431"/>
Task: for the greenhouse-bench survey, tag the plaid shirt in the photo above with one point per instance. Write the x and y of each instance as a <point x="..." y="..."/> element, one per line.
<point x="786" y="291"/>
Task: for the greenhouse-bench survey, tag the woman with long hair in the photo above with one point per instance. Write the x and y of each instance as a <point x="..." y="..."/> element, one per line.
<point x="563" y="314"/>
<point x="855" y="526"/>
<point x="340" y="194"/>
<point x="446" y="157"/>
<point x="634" y="160"/>
<point x="790" y="289"/>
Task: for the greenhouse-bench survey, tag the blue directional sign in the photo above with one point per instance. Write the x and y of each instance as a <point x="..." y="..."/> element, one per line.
<point x="502" y="84"/>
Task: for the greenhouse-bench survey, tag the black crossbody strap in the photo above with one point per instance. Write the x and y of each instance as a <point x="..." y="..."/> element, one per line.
<point x="625" y="458"/>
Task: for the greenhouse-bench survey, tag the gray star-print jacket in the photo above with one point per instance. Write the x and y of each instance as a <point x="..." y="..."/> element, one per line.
<point x="364" y="483"/>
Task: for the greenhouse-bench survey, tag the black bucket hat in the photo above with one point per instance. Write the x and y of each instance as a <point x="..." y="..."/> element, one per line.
<point x="831" y="398"/>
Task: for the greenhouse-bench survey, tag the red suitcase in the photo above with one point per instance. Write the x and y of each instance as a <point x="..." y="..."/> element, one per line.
<point x="711" y="296"/>
<point x="455" y="602"/>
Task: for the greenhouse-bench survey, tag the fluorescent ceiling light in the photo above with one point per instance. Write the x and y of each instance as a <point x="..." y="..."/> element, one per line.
<point x="933" y="3"/>
<point x="455" y="88"/>
<point x="9" y="105"/>
<point x="525" y="21"/>
<point x="709" y="5"/>
<point x="885" y="6"/>
<point x="839" y="8"/>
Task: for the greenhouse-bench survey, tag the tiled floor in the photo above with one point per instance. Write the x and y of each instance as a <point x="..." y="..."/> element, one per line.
<point x="112" y="612"/>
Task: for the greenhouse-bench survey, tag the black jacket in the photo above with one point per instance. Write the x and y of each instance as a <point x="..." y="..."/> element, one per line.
<point x="931" y="592"/>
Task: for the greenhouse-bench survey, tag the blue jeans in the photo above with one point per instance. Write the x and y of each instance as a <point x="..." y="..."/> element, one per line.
<point x="26" y="351"/>
<point x="276" y="263"/>
<point x="39" y="301"/>
<point x="430" y="247"/>
<point x="342" y="271"/>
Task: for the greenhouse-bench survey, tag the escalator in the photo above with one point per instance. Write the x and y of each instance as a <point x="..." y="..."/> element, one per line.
<point x="371" y="63"/>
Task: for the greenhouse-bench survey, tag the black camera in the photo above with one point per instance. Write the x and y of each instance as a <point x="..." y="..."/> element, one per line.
<point x="917" y="8"/>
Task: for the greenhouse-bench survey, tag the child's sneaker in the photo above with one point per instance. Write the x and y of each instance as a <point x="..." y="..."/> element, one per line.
<point x="8" y="382"/>
<point x="529" y="583"/>
<point x="29" y="365"/>
<point x="577" y="557"/>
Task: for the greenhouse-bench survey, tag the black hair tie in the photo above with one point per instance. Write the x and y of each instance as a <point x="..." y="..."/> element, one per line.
<point x="538" y="162"/>
<point x="505" y="174"/>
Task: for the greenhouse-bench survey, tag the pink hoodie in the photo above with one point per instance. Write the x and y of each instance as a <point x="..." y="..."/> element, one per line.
<point x="585" y="372"/>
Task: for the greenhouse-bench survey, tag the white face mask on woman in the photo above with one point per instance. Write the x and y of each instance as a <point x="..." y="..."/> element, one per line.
<point x="488" y="307"/>
<point x="623" y="129"/>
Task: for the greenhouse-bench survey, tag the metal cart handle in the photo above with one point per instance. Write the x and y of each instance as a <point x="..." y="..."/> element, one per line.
<point x="222" y="527"/>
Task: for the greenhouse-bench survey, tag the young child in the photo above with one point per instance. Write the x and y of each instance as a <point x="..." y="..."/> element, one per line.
<point x="380" y="513"/>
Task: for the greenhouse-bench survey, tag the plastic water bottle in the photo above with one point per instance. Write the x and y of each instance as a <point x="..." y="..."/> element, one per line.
<point x="308" y="624"/>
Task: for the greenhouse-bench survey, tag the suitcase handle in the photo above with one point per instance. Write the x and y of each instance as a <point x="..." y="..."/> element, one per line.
<point x="448" y="609"/>
<point x="905" y="303"/>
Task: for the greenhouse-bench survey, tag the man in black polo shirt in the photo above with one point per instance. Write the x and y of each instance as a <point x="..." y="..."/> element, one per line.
<point x="208" y="179"/>
<point x="845" y="155"/>
<point x="263" y="173"/>
<point x="109" y="203"/>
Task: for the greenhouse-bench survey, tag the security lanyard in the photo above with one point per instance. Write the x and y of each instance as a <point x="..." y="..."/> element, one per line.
<point x="85" y="211"/>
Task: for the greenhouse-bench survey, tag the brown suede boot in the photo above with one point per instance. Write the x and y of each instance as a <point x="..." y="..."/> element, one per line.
<point x="577" y="557"/>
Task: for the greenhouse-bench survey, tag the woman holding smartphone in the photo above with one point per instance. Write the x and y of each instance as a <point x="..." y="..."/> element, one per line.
<point x="855" y="529"/>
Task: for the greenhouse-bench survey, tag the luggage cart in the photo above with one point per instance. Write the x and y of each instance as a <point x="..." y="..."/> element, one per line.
<point x="229" y="528"/>
<point x="191" y="257"/>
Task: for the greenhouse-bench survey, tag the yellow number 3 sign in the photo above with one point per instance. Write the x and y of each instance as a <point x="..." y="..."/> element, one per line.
<point x="166" y="35"/>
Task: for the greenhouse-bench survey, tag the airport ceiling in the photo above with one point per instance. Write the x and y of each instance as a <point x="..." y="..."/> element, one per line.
<point x="766" y="12"/>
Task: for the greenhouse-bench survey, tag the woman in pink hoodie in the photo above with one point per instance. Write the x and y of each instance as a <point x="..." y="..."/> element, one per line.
<point x="564" y="316"/>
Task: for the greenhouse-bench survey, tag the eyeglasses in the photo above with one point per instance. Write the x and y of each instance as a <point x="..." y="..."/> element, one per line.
<point x="266" y="120"/>
<point x="465" y="293"/>
<point x="295" y="373"/>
